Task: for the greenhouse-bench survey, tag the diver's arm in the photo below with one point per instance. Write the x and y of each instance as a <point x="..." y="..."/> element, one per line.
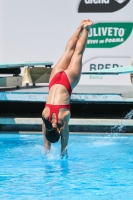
<point x="47" y="144"/>
<point x="64" y="140"/>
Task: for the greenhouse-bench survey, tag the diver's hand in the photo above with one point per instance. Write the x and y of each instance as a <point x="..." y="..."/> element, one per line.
<point x="47" y="151"/>
<point x="64" y="153"/>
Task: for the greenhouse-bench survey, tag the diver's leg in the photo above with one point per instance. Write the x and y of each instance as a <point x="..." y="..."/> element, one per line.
<point x="75" y="67"/>
<point x="64" y="61"/>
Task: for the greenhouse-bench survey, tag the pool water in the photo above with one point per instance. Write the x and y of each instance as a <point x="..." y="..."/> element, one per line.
<point x="98" y="167"/>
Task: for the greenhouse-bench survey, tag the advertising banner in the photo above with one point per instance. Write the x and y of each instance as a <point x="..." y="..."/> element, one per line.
<point x="98" y="63"/>
<point x="101" y="6"/>
<point x="109" y="35"/>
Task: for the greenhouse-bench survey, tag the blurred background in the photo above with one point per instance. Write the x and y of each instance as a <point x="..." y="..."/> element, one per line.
<point x="38" y="30"/>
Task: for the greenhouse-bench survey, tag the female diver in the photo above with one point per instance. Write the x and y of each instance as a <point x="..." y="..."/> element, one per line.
<point x="64" y="77"/>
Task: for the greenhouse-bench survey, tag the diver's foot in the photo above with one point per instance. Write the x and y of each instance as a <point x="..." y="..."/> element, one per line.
<point x="88" y="24"/>
<point x="82" y="23"/>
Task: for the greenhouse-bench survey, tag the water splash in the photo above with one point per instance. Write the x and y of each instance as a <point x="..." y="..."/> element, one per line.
<point x="52" y="154"/>
<point x="120" y="127"/>
<point x="129" y="115"/>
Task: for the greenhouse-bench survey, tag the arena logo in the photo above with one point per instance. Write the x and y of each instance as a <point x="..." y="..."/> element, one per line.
<point x="100" y="6"/>
<point x="94" y="67"/>
<point x="109" y="35"/>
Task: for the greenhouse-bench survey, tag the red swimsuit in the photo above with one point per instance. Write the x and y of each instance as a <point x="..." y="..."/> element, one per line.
<point x="59" y="78"/>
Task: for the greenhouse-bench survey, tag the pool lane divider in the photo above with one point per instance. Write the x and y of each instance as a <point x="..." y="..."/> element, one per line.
<point x="75" y="125"/>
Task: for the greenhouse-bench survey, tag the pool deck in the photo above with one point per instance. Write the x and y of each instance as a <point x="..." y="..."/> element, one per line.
<point x="82" y="93"/>
<point x="34" y="125"/>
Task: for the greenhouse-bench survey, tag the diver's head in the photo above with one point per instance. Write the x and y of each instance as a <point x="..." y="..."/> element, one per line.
<point x="52" y="131"/>
<point x="52" y="136"/>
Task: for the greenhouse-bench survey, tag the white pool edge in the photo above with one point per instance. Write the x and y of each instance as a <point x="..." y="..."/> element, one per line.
<point x="74" y="121"/>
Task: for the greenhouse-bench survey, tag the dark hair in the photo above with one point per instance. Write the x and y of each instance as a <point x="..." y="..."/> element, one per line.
<point x="52" y="136"/>
<point x="47" y="123"/>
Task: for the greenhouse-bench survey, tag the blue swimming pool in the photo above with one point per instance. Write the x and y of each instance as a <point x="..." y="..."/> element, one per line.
<point x="99" y="167"/>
